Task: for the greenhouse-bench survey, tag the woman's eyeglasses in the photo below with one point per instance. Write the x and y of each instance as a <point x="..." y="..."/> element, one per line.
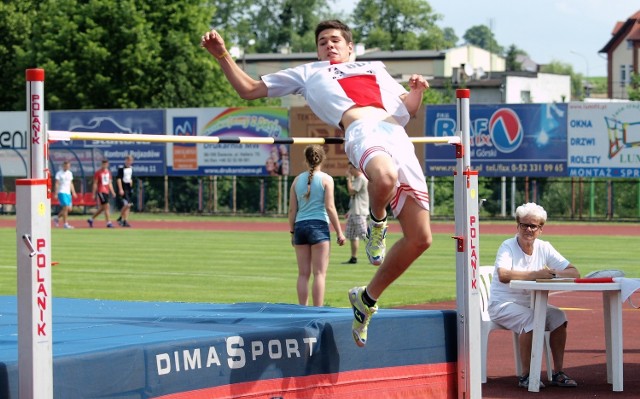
<point x="532" y="227"/>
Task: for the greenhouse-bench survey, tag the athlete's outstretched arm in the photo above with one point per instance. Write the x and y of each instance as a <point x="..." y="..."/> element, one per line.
<point x="247" y="87"/>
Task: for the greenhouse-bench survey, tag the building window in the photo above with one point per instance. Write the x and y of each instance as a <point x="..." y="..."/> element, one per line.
<point x="623" y="75"/>
<point x="525" y="96"/>
<point x="629" y="44"/>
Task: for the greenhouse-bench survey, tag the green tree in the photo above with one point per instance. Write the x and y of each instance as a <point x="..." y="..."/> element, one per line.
<point x="444" y="195"/>
<point x="450" y="38"/>
<point x="437" y="39"/>
<point x="555" y="195"/>
<point x="16" y="18"/>
<point x="561" y="68"/>
<point x="271" y="24"/>
<point x="598" y="85"/>
<point x="396" y="24"/>
<point x="634" y="88"/>
<point x="481" y="36"/>
<point x="625" y="197"/>
<point x="512" y="63"/>
<point x="114" y="54"/>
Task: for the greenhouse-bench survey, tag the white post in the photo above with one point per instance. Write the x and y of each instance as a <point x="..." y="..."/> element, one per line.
<point x="33" y="243"/>
<point x="285" y="197"/>
<point x="503" y="196"/>
<point x="467" y="258"/>
<point x="432" y="196"/>
<point x="513" y="196"/>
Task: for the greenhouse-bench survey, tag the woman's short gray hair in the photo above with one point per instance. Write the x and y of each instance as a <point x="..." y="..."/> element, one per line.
<point x="531" y="209"/>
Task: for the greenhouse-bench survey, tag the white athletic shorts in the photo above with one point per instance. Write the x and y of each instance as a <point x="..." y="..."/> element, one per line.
<point x="367" y="139"/>
<point x="519" y="318"/>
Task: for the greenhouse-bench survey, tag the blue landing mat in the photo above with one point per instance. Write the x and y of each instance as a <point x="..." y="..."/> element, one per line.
<point x="126" y="350"/>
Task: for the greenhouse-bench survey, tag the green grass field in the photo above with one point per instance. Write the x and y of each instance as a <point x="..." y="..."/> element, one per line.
<point x="229" y="267"/>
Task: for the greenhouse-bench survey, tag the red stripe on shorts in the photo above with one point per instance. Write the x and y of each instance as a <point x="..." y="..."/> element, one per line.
<point x="366" y="154"/>
<point x="405" y="188"/>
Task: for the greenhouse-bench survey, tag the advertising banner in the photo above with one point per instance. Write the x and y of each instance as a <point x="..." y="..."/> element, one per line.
<point x="149" y="158"/>
<point x="13" y="144"/>
<point x="604" y="139"/>
<point x="184" y="159"/>
<point x="506" y="140"/>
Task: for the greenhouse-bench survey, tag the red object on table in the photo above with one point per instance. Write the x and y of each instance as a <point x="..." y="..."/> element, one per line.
<point x="594" y="280"/>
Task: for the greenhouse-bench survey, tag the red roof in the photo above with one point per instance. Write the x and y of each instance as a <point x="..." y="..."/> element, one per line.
<point x="629" y="30"/>
<point x="634" y="34"/>
<point x="616" y="28"/>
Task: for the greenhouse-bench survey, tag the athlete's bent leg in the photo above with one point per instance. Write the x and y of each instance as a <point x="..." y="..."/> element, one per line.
<point x="417" y="238"/>
<point x="382" y="176"/>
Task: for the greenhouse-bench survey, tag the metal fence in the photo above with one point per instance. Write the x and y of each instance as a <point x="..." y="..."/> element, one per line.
<point x="579" y="199"/>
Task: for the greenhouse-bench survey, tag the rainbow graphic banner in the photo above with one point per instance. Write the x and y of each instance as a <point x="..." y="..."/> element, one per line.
<point x="228" y="159"/>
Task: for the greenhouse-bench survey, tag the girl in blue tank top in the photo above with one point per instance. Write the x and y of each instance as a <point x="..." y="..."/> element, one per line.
<point x="311" y="209"/>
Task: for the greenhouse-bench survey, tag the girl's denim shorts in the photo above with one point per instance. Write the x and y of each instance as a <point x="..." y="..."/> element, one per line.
<point x="310" y="232"/>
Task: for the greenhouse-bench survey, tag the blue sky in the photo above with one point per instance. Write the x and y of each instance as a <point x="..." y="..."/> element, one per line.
<point x="569" y="31"/>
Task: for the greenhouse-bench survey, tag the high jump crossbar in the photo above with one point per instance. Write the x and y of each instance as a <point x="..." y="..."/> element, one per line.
<point x="59" y="135"/>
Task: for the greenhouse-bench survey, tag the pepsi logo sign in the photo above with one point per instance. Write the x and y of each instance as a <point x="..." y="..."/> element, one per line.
<point x="506" y="130"/>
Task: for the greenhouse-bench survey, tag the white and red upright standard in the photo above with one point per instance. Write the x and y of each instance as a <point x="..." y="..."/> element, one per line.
<point x="33" y="239"/>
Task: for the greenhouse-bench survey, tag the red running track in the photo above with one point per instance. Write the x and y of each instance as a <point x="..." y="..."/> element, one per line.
<point x="210" y="223"/>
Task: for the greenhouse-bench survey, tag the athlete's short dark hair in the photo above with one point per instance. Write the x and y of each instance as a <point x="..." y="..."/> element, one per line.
<point x="335" y="24"/>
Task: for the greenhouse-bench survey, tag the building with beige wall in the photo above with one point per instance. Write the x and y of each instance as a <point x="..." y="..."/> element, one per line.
<point x="623" y="53"/>
<point x="478" y="62"/>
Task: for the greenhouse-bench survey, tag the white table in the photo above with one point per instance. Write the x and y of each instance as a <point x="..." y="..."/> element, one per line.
<point x="612" y="309"/>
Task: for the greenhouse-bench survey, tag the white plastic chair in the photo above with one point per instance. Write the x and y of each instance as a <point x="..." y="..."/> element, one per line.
<point x="484" y="287"/>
